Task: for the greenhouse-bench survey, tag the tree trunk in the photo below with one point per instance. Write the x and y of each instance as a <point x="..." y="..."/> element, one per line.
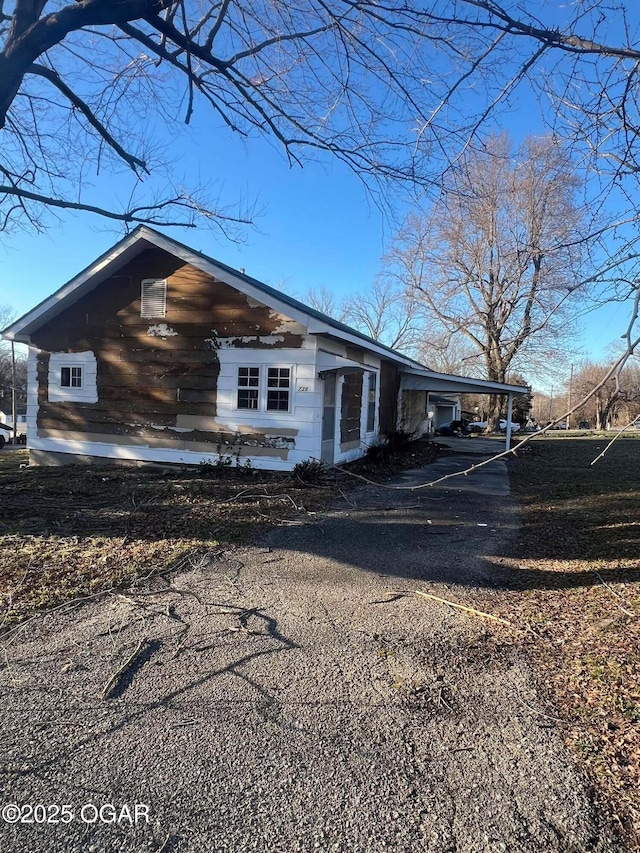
<point x="493" y="416"/>
<point x="603" y="414"/>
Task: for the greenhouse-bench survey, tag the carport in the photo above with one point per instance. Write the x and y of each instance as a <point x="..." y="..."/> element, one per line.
<point x="416" y="380"/>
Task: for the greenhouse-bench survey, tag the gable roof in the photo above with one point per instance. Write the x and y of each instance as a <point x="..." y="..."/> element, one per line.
<point x="315" y="321"/>
<point x="143" y="237"/>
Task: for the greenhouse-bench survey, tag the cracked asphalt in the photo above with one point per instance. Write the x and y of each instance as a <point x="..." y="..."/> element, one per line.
<point x="297" y="695"/>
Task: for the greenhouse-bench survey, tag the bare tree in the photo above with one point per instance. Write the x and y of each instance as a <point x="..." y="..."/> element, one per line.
<point x="384" y="312"/>
<point x="324" y="301"/>
<point x="611" y="400"/>
<point x="495" y="259"/>
<point x="579" y="63"/>
<point x="586" y="84"/>
<point x="388" y="314"/>
<point x="83" y="84"/>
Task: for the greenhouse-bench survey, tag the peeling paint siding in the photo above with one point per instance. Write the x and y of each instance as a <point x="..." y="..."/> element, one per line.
<point x="168" y="455"/>
<point x="152" y="372"/>
<point x="337" y="347"/>
<point x="264" y="340"/>
<point x="304" y="414"/>
<point x="284" y="324"/>
<point x="161" y="330"/>
<point x="350" y="450"/>
<point x="153" y="440"/>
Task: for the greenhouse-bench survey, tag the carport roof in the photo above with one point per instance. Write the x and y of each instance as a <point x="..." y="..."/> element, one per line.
<point x="413" y="379"/>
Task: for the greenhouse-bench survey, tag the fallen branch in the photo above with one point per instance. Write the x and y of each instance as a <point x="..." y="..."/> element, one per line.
<point x="131" y="585"/>
<point x="117" y="675"/>
<point x="165" y="844"/>
<point x="541" y="713"/>
<point x="617" y="595"/>
<point x="472" y="610"/>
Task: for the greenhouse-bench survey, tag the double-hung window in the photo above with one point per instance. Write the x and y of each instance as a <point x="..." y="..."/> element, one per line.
<point x="264" y="389"/>
<point x="248" y="387"/>
<point x="278" y="389"/>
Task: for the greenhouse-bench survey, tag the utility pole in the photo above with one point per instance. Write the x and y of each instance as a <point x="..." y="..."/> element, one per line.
<point x="14" y="413"/>
<point x="550" y="403"/>
<point x="570" y="398"/>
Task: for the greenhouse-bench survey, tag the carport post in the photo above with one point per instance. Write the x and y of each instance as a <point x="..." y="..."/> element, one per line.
<point x="509" y="413"/>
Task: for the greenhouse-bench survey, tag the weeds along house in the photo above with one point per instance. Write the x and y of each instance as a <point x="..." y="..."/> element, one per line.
<point x="157" y="353"/>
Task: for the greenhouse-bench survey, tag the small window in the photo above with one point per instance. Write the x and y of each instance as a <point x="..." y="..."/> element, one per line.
<point x="71" y="377"/>
<point x="278" y="389"/>
<point x="248" y="387"/>
<point x="153" y="299"/>
<point x="371" y="402"/>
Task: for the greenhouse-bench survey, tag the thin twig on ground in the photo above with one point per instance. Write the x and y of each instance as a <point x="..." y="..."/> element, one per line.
<point x="473" y="611"/>
<point x="117" y="675"/>
<point x="617" y="595"/>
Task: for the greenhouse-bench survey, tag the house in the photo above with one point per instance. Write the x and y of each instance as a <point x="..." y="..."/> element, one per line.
<point x="157" y="353"/>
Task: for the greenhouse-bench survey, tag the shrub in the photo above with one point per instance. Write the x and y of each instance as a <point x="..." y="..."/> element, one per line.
<point x="308" y="471"/>
<point x="394" y="442"/>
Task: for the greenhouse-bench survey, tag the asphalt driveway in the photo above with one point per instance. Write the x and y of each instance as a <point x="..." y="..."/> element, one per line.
<point x="297" y="695"/>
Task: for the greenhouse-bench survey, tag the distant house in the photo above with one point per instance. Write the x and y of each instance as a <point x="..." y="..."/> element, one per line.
<point x="157" y="353"/>
<point x="445" y="409"/>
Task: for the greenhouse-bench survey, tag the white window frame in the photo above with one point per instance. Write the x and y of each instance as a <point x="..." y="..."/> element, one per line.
<point x="248" y="387"/>
<point x="376" y="400"/>
<point x="87" y="391"/>
<point x="76" y="376"/>
<point x="263" y="388"/>
<point x="278" y="388"/>
<point x="149" y="313"/>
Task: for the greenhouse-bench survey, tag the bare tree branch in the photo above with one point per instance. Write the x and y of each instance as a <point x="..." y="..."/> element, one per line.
<point x="345" y="78"/>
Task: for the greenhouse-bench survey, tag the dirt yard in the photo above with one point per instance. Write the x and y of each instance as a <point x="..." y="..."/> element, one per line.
<point x="75" y="531"/>
<point x="574" y="576"/>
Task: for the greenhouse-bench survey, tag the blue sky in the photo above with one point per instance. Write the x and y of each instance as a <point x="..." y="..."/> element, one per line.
<point x="315" y="226"/>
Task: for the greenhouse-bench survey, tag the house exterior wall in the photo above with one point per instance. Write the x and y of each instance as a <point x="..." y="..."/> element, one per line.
<point x="414" y="417"/>
<point x="166" y="388"/>
<point x="352" y="398"/>
<point x="389" y="391"/>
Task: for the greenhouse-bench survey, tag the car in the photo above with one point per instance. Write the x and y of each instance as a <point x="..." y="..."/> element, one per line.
<point x="480" y="426"/>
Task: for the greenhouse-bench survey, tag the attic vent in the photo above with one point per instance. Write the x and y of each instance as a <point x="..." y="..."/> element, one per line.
<point x="153" y="302"/>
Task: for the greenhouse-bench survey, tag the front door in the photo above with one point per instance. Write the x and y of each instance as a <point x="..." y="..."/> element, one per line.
<point x="328" y="417"/>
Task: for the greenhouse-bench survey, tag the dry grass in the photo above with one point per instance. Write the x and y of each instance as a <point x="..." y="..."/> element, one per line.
<point x="68" y="532"/>
<point x="73" y="531"/>
<point x="575" y="578"/>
